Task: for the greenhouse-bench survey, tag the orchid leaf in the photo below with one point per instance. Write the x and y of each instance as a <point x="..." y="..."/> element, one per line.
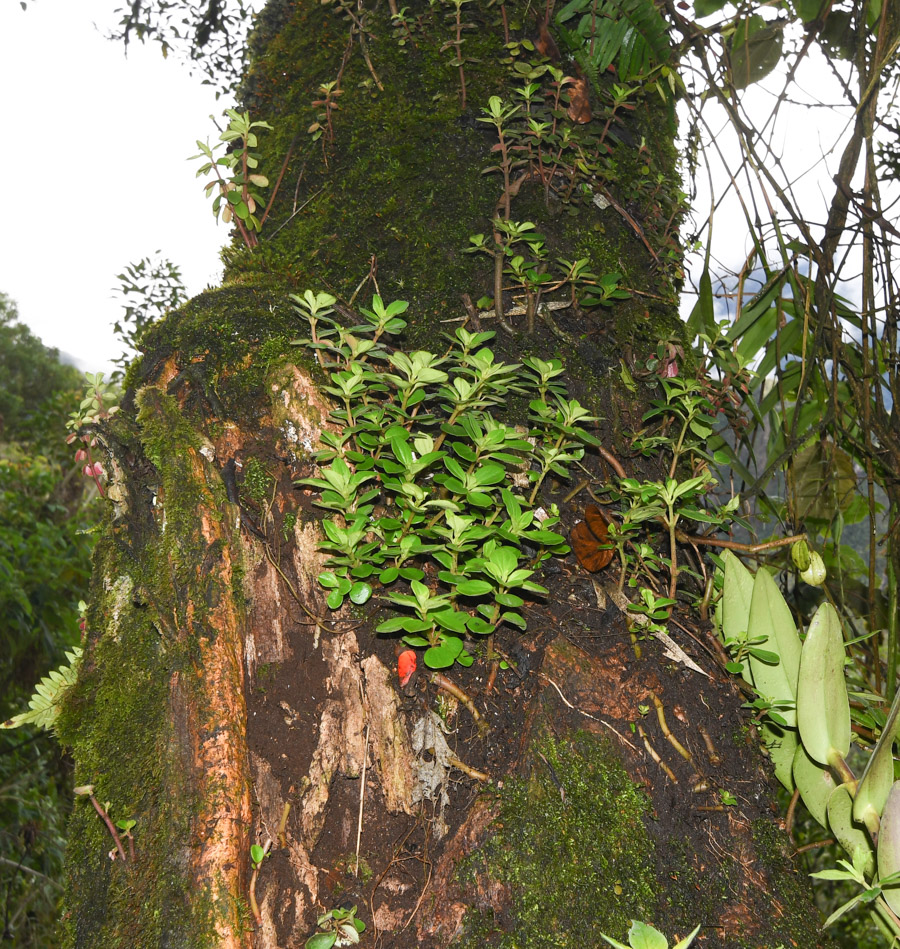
<point x="823" y="707"/>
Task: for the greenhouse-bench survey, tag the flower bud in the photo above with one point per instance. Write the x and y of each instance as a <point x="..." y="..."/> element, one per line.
<point x="87" y="471"/>
<point x="98" y="470"/>
<point x="815" y="574"/>
<point x="800" y="555"/>
<point x="80" y="455"/>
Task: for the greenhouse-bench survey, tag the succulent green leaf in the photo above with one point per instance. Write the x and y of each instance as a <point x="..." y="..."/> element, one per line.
<point x="321" y="941"/>
<point x="473" y="588"/>
<point x="477" y="625"/>
<point x="688" y="939"/>
<point x="815" y="784"/>
<point x="782" y="744"/>
<point x="850" y="835"/>
<point x="360" y="593"/>
<point x="450" y="619"/>
<point x="503" y="561"/>
<point x="823" y="708"/>
<point x="509" y="599"/>
<point x="335" y="599"/>
<point x="737" y="591"/>
<point x="875" y="783"/>
<point x="643" y="936"/>
<point x="770" y="621"/>
<point x="889" y="845"/>
<point x="444" y="655"/>
<point x="613" y="942"/>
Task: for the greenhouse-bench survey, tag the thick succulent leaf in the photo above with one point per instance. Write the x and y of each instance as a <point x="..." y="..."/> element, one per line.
<point x="815" y="783"/>
<point x="782" y="744"/>
<point x="737" y="591"/>
<point x="875" y="784"/>
<point x="850" y="835"/>
<point x="889" y="845"/>
<point x="823" y="708"/>
<point x="643" y="936"/>
<point x="770" y="619"/>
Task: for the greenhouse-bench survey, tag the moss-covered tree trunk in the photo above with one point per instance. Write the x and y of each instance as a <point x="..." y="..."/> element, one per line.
<point x="220" y="703"/>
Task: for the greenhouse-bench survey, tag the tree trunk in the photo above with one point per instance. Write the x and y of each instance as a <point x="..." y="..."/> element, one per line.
<point x="221" y="704"/>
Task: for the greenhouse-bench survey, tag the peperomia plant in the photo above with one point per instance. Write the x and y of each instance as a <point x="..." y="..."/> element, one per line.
<point x="340" y="927"/>
<point x="237" y="192"/>
<point x="426" y="488"/>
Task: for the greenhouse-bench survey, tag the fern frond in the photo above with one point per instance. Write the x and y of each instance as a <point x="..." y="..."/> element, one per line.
<point x="630" y="33"/>
<point x="44" y="705"/>
<point x="647" y="43"/>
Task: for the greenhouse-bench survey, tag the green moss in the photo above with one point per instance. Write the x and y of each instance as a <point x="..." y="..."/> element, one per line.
<point x="125" y="719"/>
<point x="118" y="724"/>
<point x="571" y="848"/>
<point x="257" y="483"/>
<point x="404" y="180"/>
<point x="404" y="184"/>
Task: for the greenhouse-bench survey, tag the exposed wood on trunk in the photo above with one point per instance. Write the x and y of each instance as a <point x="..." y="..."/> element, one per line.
<point x="217" y="717"/>
<point x="389" y="738"/>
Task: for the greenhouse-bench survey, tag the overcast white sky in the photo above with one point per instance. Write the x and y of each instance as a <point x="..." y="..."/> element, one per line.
<point x="94" y="171"/>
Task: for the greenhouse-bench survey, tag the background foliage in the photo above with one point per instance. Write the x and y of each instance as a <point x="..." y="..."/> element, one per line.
<point x="44" y="571"/>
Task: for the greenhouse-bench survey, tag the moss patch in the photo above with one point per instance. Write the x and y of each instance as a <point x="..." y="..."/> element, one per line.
<point x="117" y="723"/>
<point x="128" y="718"/>
<point x="404" y="180"/>
<point x="571" y="849"/>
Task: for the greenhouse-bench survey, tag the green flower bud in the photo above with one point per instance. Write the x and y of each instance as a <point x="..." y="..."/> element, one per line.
<point x="815" y="573"/>
<point x="800" y="555"/>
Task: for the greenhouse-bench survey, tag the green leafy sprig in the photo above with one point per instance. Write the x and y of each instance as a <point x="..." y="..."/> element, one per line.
<point x="430" y="497"/>
<point x="237" y="192"/>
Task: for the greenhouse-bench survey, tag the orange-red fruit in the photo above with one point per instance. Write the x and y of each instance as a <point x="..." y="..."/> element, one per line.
<point x="406" y="665"/>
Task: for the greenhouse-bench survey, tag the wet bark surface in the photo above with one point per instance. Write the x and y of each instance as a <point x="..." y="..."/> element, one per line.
<point x="324" y="699"/>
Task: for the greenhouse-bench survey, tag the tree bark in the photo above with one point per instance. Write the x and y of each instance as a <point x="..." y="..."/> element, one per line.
<point x="220" y="704"/>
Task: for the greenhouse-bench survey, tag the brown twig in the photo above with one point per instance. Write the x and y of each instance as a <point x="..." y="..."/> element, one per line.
<point x="450" y="687"/>
<point x="815" y="845"/>
<point x="673" y="741"/>
<point x="254" y="906"/>
<point x="282" y="840"/>
<point x="468" y="769"/>
<point x="734" y="545"/>
<point x="88" y="790"/>
<point x="611" y="460"/>
<point x="652" y="752"/>
<point x="789" y="817"/>
<point x="714" y="757"/>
